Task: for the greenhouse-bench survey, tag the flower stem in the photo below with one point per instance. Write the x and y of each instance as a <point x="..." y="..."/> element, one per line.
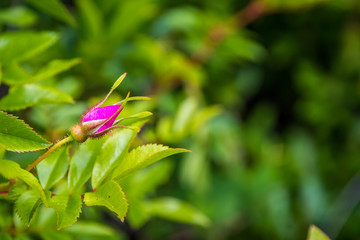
<point x="47" y="153"/>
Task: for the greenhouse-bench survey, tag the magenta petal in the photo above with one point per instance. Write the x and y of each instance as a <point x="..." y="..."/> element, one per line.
<point x="108" y="124"/>
<point x="102" y="113"/>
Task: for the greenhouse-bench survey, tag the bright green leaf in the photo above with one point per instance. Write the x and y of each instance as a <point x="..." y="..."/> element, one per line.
<point x="91" y="229"/>
<point x="55" y="235"/>
<point x="113" y="150"/>
<point x="15" y="135"/>
<point x="55" y="67"/>
<point x="109" y="195"/>
<point x="184" y="115"/>
<point x="176" y="210"/>
<point x="26" y="206"/>
<point x="18" y="16"/>
<point x="82" y="162"/>
<point x="14" y="48"/>
<point x="316" y="234"/>
<point x="12" y="170"/>
<point x="67" y="207"/>
<point x="28" y="95"/>
<point x="17" y="75"/>
<point x="53" y="168"/>
<point x="143" y="156"/>
<point x="54" y="8"/>
<point x="118" y="82"/>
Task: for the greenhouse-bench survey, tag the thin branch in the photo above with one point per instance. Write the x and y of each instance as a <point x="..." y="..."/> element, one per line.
<point x="53" y="148"/>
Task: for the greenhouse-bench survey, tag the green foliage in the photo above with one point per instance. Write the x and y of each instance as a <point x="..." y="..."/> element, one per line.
<point x="265" y="94"/>
<point x="142" y="157"/>
<point x="82" y="163"/>
<point x="67" y="207"/>
<point x="91" y="229"/>
<point x="176" y="210"/>
<point x="12" y="170"/>
<point x="53" y="168"/>
<point x="54" y="8"/>
<point x="14" y="48"/>
<point x="18" y="16"/>
<point x="26" y="205"/>
<point x="28" y="95"/>
<point x="112" y="151"/>
<point x="109" y="195"/>
<point x="18" y="136"/>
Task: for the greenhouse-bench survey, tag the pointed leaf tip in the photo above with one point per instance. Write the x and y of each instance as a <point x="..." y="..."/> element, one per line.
<point x="118" y="82"/>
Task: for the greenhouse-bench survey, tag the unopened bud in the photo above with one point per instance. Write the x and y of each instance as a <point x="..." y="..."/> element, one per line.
<point x="79" y="133"/>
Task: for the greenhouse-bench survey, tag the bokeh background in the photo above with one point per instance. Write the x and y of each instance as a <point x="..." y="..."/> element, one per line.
<point x="265" y="93"/>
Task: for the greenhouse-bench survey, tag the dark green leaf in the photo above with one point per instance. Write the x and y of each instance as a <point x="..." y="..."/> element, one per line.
<point x="15" y="135"/>
<point x="54" y="8"/>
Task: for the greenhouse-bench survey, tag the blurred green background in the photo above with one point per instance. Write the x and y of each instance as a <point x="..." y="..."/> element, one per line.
<point x="265" y="93"/>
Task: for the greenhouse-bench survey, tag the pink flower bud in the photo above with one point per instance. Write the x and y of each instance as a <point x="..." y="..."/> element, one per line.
<point x="97" y="120"/>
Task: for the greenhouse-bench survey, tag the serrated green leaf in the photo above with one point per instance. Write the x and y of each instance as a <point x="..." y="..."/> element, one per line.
<point x="15" y="135"/>
<point x="112" y="151"/>
<point x="17" y="75"/>
<point x="12" y="170"/>
<point x="18" y="16"/>
<point x="67" y="207"/>
<point x="26" y="206"/>
<point x="91" y="229"/>
<point x="14" y="48"/>
<point x="54" y="8"/>
<point x="143" y="156"/>
<point x="82" y="163"/>
<point x="17" y="189"/>
<point x="109" y="195"/>
<point x="316" y="234"/>
<point x="53" y="168"/>
<point x="28" y="95"/>
<point x="176" y="210"/>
